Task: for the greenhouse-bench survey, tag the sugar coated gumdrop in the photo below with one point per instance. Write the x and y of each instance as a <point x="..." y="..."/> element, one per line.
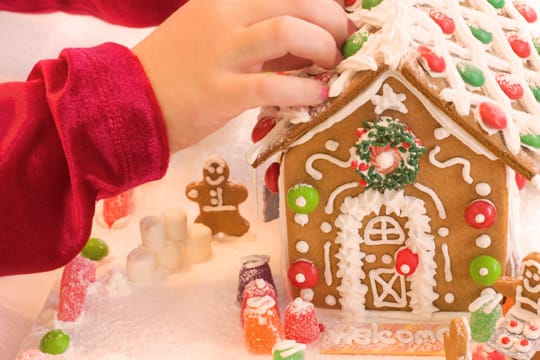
<point x="257" y="288"/>
<point x="253" y="267"/>
<point x="288" y="350"/>
<point x="303" y="274"/>
<point x="301" y="322"/>
<point x="484" y="352"/>
<point x="302" y="198"/>
<point x="480" y="214"/>
<point x="33" y="354"/>
<point x="78" y="274"/>
<point x="117" y="207"/>
<point x="262" y="328"/>
<point x="54" y="342"/>
<point x="485" y="311"/>
<point x="95" y="249"/>
<point x="485" y="270"/>
<point x="271" y="177"/>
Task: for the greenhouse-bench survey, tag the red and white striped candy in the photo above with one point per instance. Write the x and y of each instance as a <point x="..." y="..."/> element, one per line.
<point x="78" y="274"/>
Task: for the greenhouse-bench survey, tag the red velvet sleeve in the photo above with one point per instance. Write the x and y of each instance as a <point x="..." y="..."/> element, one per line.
<point x="82" y="127"/>
<point x="136" y="13"/>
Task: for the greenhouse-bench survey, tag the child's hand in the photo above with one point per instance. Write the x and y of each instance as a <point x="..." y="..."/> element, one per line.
<point x="208" y="62"/>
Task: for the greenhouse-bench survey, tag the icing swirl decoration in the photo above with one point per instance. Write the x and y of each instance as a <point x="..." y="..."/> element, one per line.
<point x="388" y="154"/>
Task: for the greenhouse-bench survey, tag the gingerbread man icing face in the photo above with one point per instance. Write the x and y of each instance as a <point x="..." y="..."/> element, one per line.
<point x="215" y="171"/>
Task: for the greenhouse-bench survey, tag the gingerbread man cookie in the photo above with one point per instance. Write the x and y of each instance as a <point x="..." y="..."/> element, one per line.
<point x="218" y="199"/>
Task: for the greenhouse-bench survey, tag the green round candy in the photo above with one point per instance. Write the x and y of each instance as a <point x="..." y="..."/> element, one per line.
<point x="531" y="140"/>
<point x="471" y="74"/>
<point x="368" y="4"/>
<point x="303" y="198"/>
<point x="354" y="43"/>
<point x="536" y="92"/>
<point x="485" y="270"/>
<point x="54" y="342"/>
<point x="485" y="37"/>
<point x="497" y="4"/>
<point x="95" y="249"/>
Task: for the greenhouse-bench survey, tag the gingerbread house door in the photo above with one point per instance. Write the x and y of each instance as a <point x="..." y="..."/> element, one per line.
<point x="386" y="255"/>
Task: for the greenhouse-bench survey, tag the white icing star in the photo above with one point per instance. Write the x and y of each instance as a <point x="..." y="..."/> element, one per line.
<point x="389" y="100"/>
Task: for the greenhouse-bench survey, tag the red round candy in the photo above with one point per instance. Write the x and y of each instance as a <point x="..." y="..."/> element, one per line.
<point x="271" y="177"/>
<point x="480" y="214"/>
<point x="492" y="115"/>
<point x="263" y="126"/>
<point x="444" y="21"/>
<point x="520" y="46"/>
<point x="510" y="87"/>
<point x="303" y="274"/>
<point x="520" y="181"/>
<point x="406" y="262"/>
<point x="434" y="62"/>
<point x="528" y="13"/>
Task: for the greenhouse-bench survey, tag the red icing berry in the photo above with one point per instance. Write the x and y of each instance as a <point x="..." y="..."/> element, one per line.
<point x="300" y="322"/>
<point x="524" y="342"/>
<point x="117" y="207"/>
<point x="513" y="323"/>
<point x="76" y="277"/>
<point x="521" y="181"/>
<point x="303" y="274"/>
<point x="445" y="22"/>
<point x="510" y="87"/>
<point x="519" y="45"/>
<point x="363" y="166"/>
<point x="526" y="11"/>
<point x="492" y="115"/>
<point x="434" y="62"/>
<point x="271" y="177"/>
<point x="406" y="262"/>
<point x="480" y="214"/>
<point x="360" y="132"/>
<point x="263" y="126"/>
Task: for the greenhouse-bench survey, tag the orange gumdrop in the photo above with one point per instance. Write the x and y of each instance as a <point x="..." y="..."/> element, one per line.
<point x="262" y="328"/>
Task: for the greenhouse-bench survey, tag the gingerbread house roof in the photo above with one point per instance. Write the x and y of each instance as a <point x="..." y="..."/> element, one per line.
<point x="477" y="61"/>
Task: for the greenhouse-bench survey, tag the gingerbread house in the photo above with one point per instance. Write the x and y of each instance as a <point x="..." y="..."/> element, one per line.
<point x="398" y="194"/>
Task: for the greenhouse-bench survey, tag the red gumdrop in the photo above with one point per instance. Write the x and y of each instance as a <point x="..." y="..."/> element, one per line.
<point x="257" y="288"/>
<point x="406" y="262"/>
<point x="33" y="354"/>
<point x="271" y="177"/>
<point x="528" y="13"/>
<point x="510" y="87"/>
<point x="303" y="274"/>
<point x="480" y="214"/>
<point x="520" y="46"/>
<point x="300" y="322"/>
<point x="263" y="126"/>
<point x="78" y="274"/>
<point x="117" y="207"/>
<point x="492" y="115"/>
<point x="434" y="62"/>
<point x="483" y="352"/>
<point x="445" y="22"/>
<point x="521" y="181"/>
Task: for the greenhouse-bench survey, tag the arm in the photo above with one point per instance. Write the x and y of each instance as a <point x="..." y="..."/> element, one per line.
<point x="136" y="13"/>
<point x="83" y="127"/>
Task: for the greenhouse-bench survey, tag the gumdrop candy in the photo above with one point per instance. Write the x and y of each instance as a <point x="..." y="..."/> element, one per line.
<point x="484" y="352"/>
<point x="485" y="311"/>
<point x="253" y="267"/>
<point x="78" y="274"/>
<point x="262" y="328"/>
<point x="33" y="354"/>
<point x="258" y="288"/>
<point x="288" y="350"/>
<point x="300" y="322"/>
<point x="117" y="207"/>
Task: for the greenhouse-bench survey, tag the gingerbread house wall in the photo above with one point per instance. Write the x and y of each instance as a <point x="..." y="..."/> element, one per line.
<point x="450" y="177"/>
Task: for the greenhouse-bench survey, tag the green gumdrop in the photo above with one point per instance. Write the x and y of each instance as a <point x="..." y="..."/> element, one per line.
<point x="303" y="198"/>
<point x="485" y="37"/>
<point x="536" y="92"/>
<point x="497" y="4"/>
<point x="279" y="355"/>
<point x="471" y="74"/>
<point x="485" y="270"/>
<point x="54" y="342"/>
<point x="95" y="249"/>
<point x="531" y="140"/>
<point x="369" y="4"/>
<point x="354" y="43"/>
<point x="483" y="325"/>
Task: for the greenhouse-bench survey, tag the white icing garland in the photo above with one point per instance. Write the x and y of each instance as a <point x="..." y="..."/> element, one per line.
<point x="465" y="172"/>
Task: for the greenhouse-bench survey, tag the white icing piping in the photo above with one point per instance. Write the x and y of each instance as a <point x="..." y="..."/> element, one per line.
<point x="447" y="264"/>
<point x="389" y="100"/>
<point x="465" y="172"/>
<point x="316" y="174"/>
<point x="327" y="265"/>
<point x="329" y="208"/>
<point x="436" y="200"/>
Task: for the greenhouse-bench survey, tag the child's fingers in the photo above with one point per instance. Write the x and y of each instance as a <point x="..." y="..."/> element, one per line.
<point x="262" y="89"/>
<point x="276" y="37"/>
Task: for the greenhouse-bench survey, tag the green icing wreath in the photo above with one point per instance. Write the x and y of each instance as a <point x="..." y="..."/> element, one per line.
<point x="388" y="154"/>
